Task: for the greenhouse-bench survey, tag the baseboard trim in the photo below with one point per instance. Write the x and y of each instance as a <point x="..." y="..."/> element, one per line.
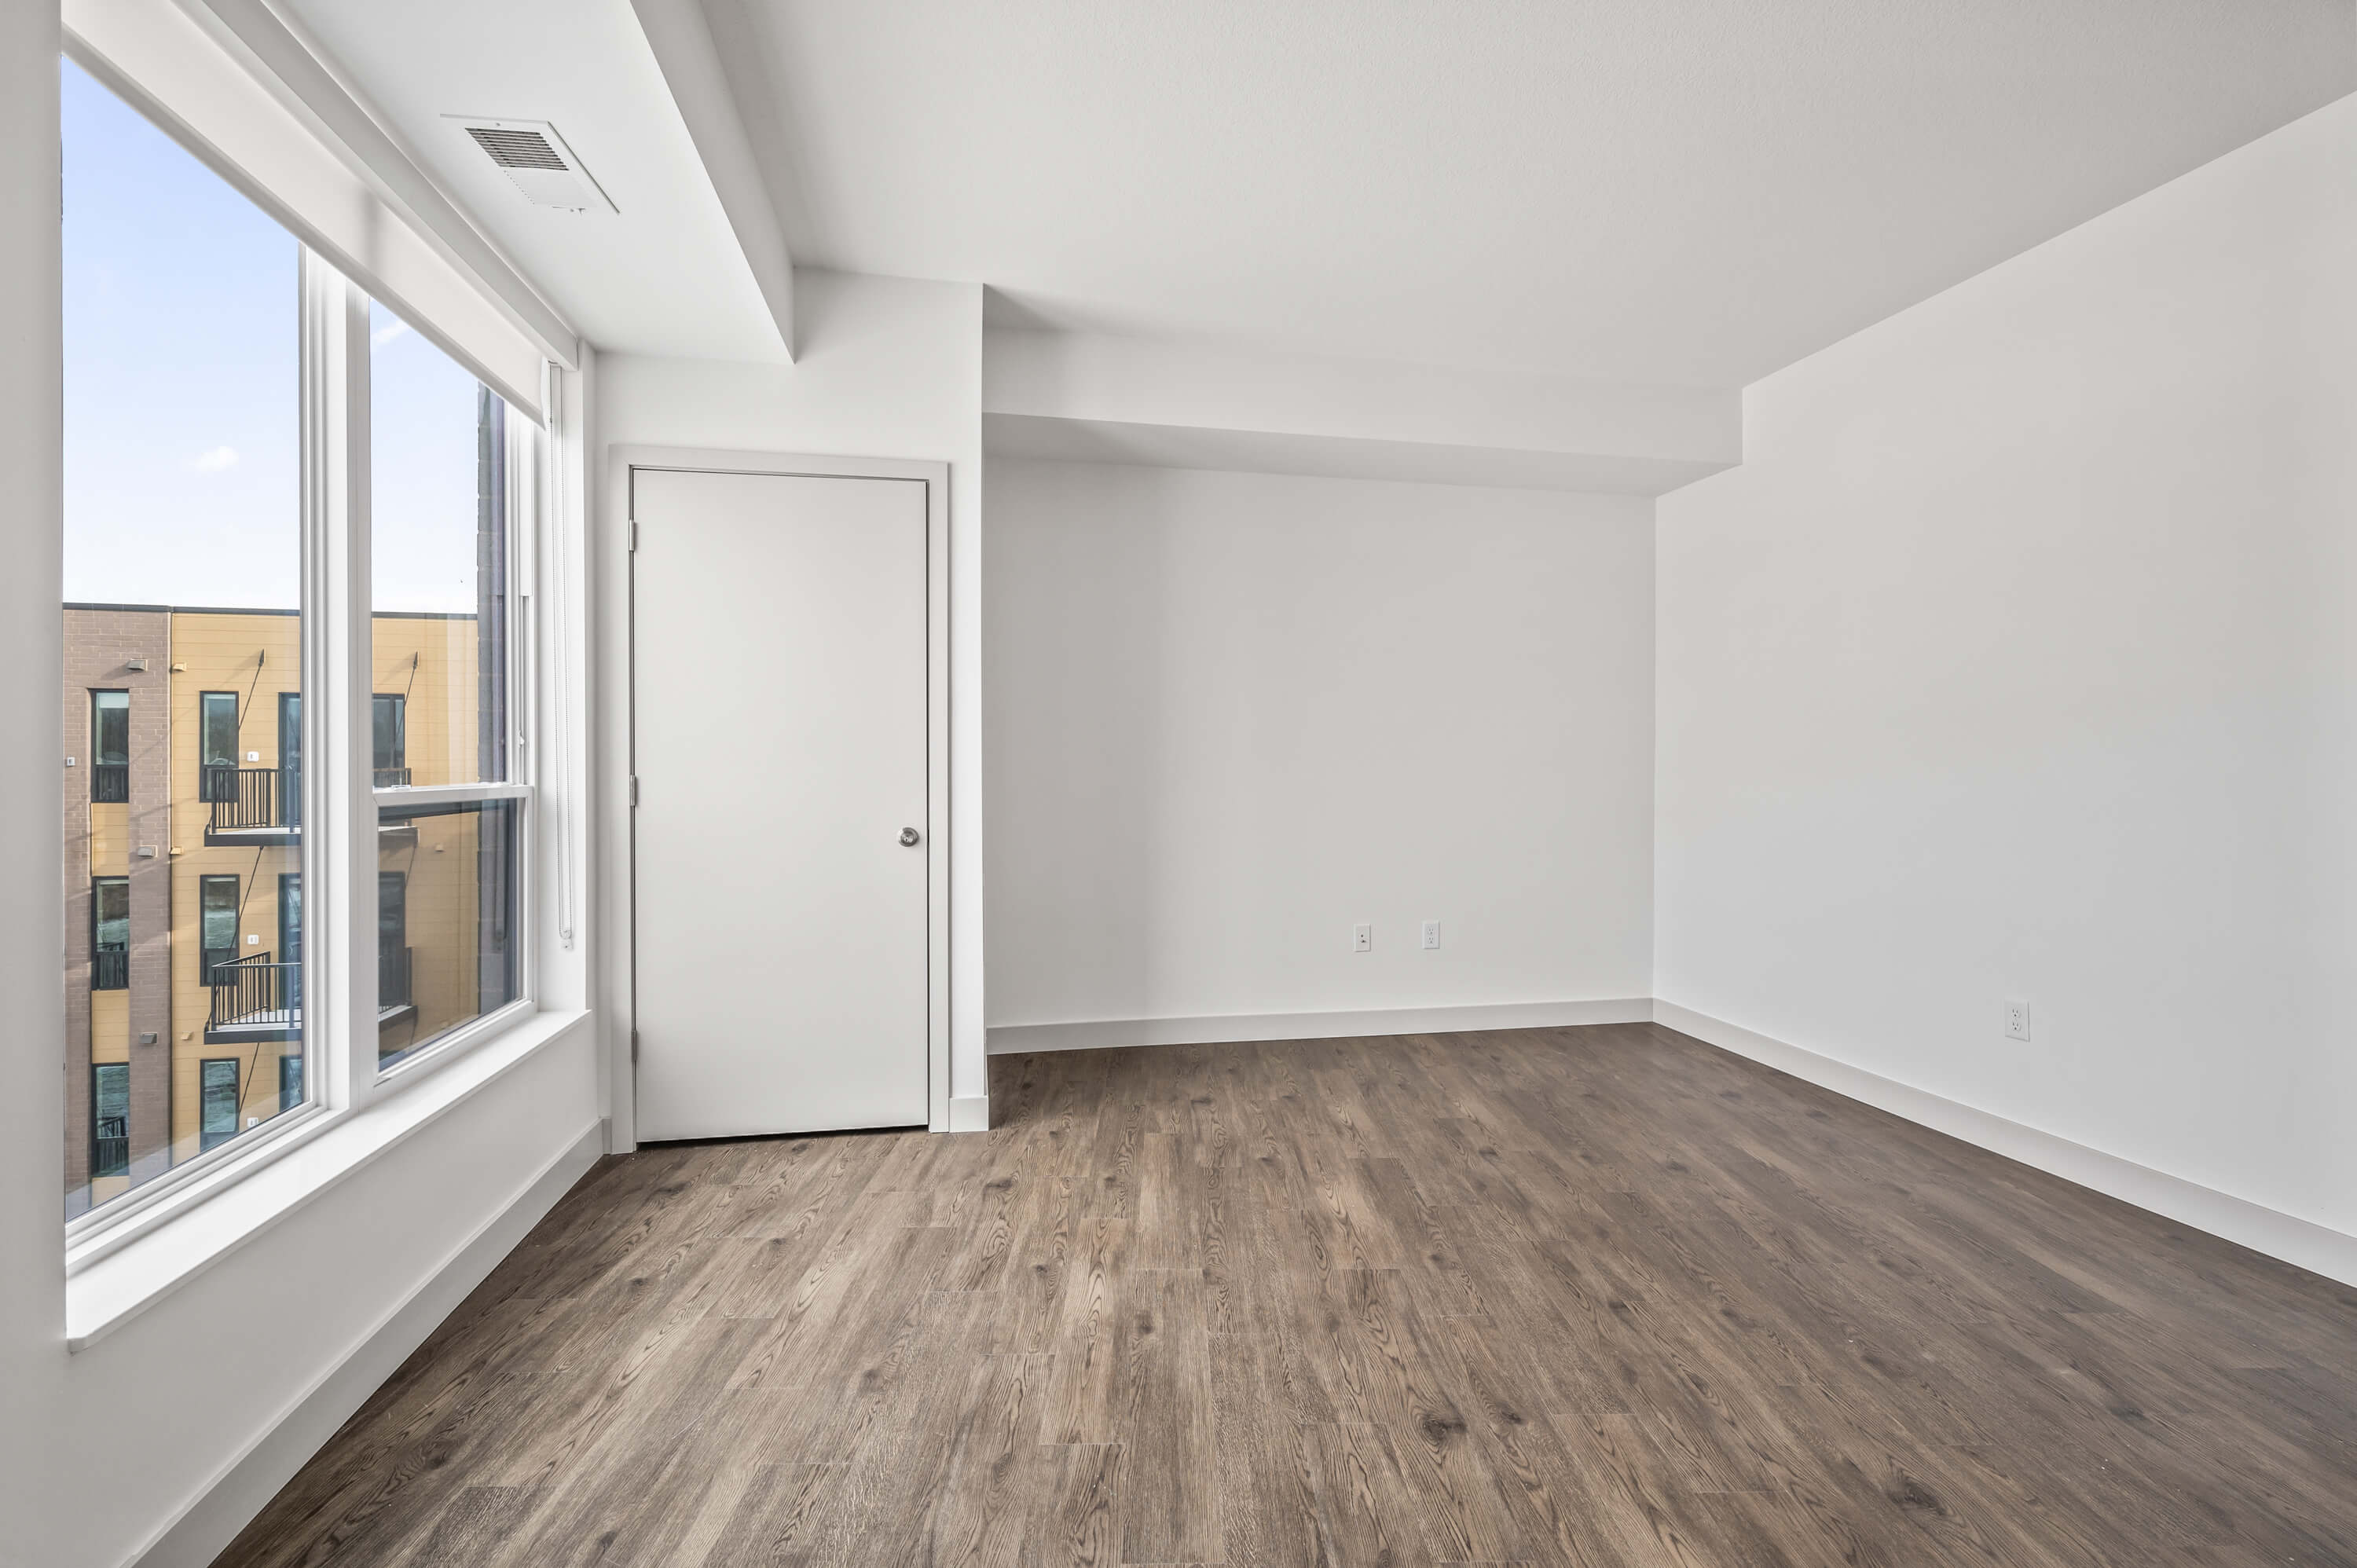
<point x="2317" y="1248"/>
<point x="970" y="1114"/>
<point x="247" y="1484"/>
<point x="1097" y="1034"/>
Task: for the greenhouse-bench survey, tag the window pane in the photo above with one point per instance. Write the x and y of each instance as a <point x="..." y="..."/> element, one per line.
<point x="110" y="1098"/>
<point x="217" y="1109"/>
<point x="182" y="580"/>
<point x="439" y="521"/>
<point x="389" y="717"/>
<point x="446" y="947"/>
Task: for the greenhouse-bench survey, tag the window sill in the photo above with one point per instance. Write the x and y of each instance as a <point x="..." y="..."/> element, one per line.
<point x="110" y="1280"/>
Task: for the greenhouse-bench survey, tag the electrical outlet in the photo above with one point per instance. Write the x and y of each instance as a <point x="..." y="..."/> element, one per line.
<point x="2017" y="1020"/>
<point x="1431" y="934"/>
<point x="1363" y="938"/>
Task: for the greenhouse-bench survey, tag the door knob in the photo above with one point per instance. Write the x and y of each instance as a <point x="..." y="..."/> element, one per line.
<point x="908" y="835"/>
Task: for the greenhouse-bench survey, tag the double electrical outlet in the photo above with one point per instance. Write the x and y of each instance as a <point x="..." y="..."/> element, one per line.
<point x="1362" y="936"/>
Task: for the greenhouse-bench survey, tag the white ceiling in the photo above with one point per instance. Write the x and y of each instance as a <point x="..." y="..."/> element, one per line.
<point x="1669" y="191"/>
<point x="1694" y="191"/>
<point x="664" y="275"/>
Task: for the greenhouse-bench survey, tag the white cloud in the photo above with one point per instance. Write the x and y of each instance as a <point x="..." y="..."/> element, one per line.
<point x="388" y="332"/>
<point x="215" y="460"/>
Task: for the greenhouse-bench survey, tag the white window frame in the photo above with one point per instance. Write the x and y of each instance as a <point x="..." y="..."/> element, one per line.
<point x="338" y="858"/>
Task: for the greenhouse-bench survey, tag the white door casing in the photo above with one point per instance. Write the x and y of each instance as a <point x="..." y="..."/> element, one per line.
<point x="785" y="737"/>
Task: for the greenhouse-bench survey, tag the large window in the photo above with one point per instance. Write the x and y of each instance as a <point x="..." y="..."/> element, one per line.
<point x="183" y="589"/>
<point x="447" y="943"/>
<point x="208" y="435"/>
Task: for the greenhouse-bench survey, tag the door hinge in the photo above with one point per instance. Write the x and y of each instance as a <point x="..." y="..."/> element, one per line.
<point x="634" y="538"/>
<point x="634" y="792"/>
<point x="634" y="1047"/>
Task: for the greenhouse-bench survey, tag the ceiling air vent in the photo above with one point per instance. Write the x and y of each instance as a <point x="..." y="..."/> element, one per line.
<point x="531" y="153"/>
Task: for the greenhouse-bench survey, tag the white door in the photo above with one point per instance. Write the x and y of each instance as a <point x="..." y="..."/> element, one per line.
<point x="779" y="687"/>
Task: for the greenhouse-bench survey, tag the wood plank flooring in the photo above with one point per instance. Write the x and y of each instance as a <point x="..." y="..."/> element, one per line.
<point x="1585" y="1296"/>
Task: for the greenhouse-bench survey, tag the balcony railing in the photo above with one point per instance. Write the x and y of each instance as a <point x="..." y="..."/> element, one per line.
<point x="110" y="782"/>
<point x="110" y="969"/>
<point x="248" y="798"/>
<point x="254" y="990"/>
<point x="391" y="777"/>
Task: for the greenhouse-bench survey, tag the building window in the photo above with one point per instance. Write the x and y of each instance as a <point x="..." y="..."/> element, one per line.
<point x="290" y="758"/>
<point x="109" y="1120"/>
<point x="215" y="1102"/>
<point x="109" y="933"/>
<point x="184" y="458"/>
<point x="392" y="940"/>
<point x="110" y="746"/>
<point x="217" y="923"/>
<point x="449" y="941"/>
<point x="209" y="489"/>
<point x="389" y="727"/>
<point x="216" y="759"/>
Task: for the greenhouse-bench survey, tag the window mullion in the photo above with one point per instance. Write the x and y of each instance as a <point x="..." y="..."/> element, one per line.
<point x="340" y="863"/>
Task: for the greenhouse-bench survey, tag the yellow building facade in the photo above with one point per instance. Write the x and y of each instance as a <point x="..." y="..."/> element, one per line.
<point x="184" y="877"/>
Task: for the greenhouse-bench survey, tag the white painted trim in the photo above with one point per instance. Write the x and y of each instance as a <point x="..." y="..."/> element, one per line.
<point x="2318" y="1248"/>
<point x="1099" y="1033"/>
<point x="621" y="462"/>
<point x="247" y="1482"/>
<point x="970" y="1114"/>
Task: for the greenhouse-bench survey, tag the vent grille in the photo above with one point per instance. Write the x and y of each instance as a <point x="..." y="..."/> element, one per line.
<point x="536" y="161"/>
<point x="517" y="149"/>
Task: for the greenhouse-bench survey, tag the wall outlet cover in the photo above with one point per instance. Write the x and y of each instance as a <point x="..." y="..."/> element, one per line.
<point x="2017" y="1020"/>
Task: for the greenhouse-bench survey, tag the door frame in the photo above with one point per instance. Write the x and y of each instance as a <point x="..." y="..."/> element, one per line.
<point x="622" y="464"/>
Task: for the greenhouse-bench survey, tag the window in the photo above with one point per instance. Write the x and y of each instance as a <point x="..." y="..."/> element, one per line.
<point x="447" y="943"/>
<point x="110" y="1118"/>
<point x="109" y="933"/>
<point x="215" y="923"/>
<point x="216" y="759"/>
<point x="290" y="758"/>
<point x="110" y="746"/>
<point x="388" y="726"/>
<point x="392" y="940"/>
<point x="183" y="606"/>
<point x="208" y="442"/>
<point x="216" y="1100"/>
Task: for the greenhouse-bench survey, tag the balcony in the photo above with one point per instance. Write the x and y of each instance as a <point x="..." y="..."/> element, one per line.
<point x="260" y="999"/>
<point x="110" y="969"/>
<point x="252" y="805"/>
<point x="264" y="805"/>
<point x="110" y="783"/>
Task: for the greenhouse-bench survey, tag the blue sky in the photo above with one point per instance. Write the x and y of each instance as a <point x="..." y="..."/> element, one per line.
<point x="181" y="464"/>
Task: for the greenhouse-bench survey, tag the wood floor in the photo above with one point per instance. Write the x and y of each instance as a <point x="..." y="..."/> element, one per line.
<point x="1594" y="1296"/>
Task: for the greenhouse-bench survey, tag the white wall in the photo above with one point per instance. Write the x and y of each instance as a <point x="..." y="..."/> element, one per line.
<point x="2017" y="661"/>
<point x="32" y="1098"/>
<point x="101" y="1452"/>
<point x="887" y="368"/>
<point x="1232" y="715"/>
